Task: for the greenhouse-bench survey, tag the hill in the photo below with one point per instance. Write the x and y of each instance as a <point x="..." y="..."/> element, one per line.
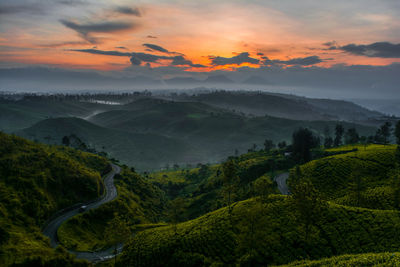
<point x="267" y="233"/>
<point x="202" y="187"/>
<point x="138" y="202"/>
<point x="144" y="151"/>
<point x="26" y="111"/>
<point x="365" y="259"/>
<point x="36" y="181"/>
<point x="287" y="106"/>
<point x="357" y="176"/>
<point x="213" y="133"/>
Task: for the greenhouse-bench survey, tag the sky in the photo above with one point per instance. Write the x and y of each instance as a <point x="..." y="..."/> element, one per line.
<point x="181" y="38"/>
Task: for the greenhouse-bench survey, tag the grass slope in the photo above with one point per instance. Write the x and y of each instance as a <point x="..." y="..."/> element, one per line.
<point x="202" y="186"/>
<point x="287" y="106"/>
<point x="144" y="151"/>
<point x="212" y="133"/>
<point x="138" y="202"/>
<point x="218" y="237"/>
<point x="355" y="260"/>
<point x="335" y="177"/>
<point x="19" y="114"/>
<point x="36" y="181"/>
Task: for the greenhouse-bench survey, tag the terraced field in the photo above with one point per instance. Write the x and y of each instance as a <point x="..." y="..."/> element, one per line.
<point x="219" y="236"/>
<point x="369" y="170"/>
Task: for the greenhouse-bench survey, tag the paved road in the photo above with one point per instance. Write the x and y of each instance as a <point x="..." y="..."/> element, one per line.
<point x="51" y="228"/>
<point x="281" y="181"/>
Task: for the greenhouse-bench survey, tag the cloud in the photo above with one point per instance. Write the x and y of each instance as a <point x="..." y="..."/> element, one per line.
<point x="237" y="60"/>
<point x="102" y="52"/>
<point x="156" y="48"/>
<point x="138" y="58"/>
<point x="128" y="11"/>
<point x="300" y="61"/>
<point x="332" y="45"/>
<point x="55" y="45"/>
<point x="101" y="27"/>
<point x="121" y="47"/>
<point x="72" y="2"/>
<point x="151" y="37"/>
<point x="15" y="9"/>
<point x="135" y="61"/>
<point x="379" y="49"/>
<point x="181" y="61"/>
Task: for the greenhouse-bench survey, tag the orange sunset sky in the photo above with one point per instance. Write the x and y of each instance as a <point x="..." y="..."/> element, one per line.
<point x="198" y="36"/>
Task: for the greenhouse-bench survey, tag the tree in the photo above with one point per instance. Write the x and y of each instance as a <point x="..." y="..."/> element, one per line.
<point x="383" y="133"/>
<point x="386" y="130"/>
<point x="263" y="187"/>
<point x="339" y="131"/>
<point x="117" y="232"/>
<point x="303" y="142"/>
<point x="176" y="210"/>
<point x="65" y="141"/>
<point x="397" y="132"/>
<point x="352" y="136"/>
<point x="230" y="180"/>
<point x="282" y="145"/>
<point x="364" y="141"/>
<point x="268" y="145"/>
<point x="305" y="199"/>
<point x="328" y="142"/>
<point x="252" y="234"/>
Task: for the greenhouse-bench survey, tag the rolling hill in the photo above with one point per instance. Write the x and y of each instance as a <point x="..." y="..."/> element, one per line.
<point x="356" y="176"/>
<point x="144" y="151"/>
<point x="35" y="181"/>
<point x="18" y="114"/>
<point x="214" y="133"/>
<point x="287" y="106"/>
<point x="264" y="233"/>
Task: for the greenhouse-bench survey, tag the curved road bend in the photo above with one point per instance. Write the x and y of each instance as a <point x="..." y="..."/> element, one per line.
<point x="281" y="181"/>
<point x="111" y="193"/>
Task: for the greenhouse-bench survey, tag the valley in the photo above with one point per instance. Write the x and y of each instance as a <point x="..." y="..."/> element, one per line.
<point x="197" y="180"/>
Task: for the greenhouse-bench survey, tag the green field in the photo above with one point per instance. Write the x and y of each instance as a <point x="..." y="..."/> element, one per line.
<point x="278" y="237"/>
<point x="36" y="181"/>
<point x="369" y="170"/>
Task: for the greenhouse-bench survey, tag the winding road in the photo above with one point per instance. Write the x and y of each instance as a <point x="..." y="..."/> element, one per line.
<point x="51" y="228"/>
<point x="281" y="181"/>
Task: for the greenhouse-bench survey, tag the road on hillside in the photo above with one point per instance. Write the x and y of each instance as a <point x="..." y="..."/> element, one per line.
<point x="51" y="228"/>
<point x="281" y="181"/>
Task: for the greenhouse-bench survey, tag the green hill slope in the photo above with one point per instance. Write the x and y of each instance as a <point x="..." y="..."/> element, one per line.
<point x="264" y="234"/>
<point x="355" y="260"/>
<point x="369" y="170"/>
<point x="138" y="203"/>
<point x="287" y="106"/>
<point x="36" y="181"/>
<point x="213" y="133"/>
<point x="144" y="151"/>
<point x="22" y="113"/>
<point x="202" y="187"/>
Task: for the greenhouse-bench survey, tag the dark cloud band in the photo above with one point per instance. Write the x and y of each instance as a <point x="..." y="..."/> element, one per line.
<point x="236" y="60"/>
<point x="138" y="58"/>
<point x="380" y="49"/>
<point x="128" y="11"/>
<point x="102" y="27"/>
<point x="301" y="61"/>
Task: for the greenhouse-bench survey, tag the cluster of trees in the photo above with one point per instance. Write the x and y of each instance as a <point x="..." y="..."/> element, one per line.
<point x="351" y="136"/>
<point x="110" y="96"/>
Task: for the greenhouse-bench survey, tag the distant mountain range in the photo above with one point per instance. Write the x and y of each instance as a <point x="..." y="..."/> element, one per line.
<point x="61" y="78"/>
